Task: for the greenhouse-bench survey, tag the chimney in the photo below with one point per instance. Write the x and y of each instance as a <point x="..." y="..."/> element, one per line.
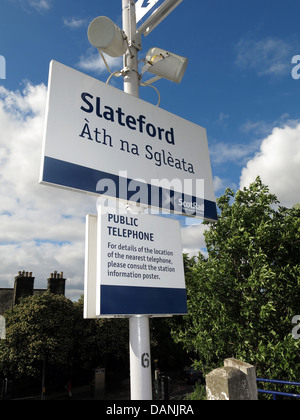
<point x="24" y="283"/>
<point x="57" y="283"/>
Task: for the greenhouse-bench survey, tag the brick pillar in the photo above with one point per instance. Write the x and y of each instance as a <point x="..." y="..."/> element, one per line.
<point x="57" y="283"/>
<point x="24" y="283"/>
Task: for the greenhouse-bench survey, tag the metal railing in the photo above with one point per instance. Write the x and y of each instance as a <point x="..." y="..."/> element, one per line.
<point x="277" y="393"/>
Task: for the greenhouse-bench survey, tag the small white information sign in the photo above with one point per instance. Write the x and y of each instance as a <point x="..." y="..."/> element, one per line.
<point x="139" y="267"/>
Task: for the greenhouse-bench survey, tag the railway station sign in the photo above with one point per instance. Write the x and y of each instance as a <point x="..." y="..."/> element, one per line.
<point x="102" y="141"/>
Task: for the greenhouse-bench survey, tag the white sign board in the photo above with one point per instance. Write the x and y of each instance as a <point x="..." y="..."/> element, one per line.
<point x="143" y="7"/>
<point x="139" y="266"/>
<point x="103" y="141"/>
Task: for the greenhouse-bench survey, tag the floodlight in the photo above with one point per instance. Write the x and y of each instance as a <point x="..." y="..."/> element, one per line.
<point x="158" y="16"/>
<point x="107" y="37"/>
<point x="165" y="64"/>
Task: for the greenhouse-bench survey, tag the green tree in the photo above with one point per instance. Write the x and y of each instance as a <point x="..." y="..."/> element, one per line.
<point x="51" y="328"/>
<point x="242" y="298"/>
<point x="98" y="340"/>
<point x="39" y="328"/>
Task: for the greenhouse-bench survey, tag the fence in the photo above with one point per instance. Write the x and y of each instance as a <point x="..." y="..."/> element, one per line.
<point x="277" y="393"/>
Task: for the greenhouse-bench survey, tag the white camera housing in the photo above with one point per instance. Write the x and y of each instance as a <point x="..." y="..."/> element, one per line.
<point x="107" y="37"/>
<point x="166" y="65"/>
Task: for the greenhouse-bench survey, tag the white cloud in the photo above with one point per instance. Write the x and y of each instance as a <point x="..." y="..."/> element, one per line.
<point x="193" y="240"/>
<point x="92" y="61"/>
<point x="278" y="164"/>
<point x="241" y="153"/>
<point x="219" y="184"/>
<point x="42" y="228"/>
<point x="229" y="152"/>
<point x="263" y="128"/>
<point x="41" y="5"/>
<point x="74" y="23"/>
<point x="222" y="120"/>
<point x="268" y="56"/>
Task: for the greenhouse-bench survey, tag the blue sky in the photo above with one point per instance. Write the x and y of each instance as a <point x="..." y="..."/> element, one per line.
<point x="238" y="85"/>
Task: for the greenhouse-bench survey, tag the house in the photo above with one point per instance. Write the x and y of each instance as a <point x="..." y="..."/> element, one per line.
<point x="24" y="287"/>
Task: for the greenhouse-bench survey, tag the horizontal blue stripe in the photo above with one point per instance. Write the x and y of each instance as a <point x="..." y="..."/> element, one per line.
<point x="122" y="300"/>
<point x="86" y="179"/>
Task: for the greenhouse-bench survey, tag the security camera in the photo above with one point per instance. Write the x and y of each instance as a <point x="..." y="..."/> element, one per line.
<point x="107" y="37"/>
<point x="165" y="64"/>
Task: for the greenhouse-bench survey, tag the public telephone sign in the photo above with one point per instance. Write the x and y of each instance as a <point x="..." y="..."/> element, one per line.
<point x="139" y="266"/>
<point x="103" y="141"/>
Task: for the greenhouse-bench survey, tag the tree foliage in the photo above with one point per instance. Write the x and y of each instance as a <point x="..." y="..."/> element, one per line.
<point x="242" y="298"/>
<point x="38" y="329"/>
<point x="52" y="328"/>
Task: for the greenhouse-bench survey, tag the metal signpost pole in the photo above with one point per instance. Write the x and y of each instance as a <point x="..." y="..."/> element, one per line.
<point x="140" y="359"/>
<point x="131" y="80"/>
